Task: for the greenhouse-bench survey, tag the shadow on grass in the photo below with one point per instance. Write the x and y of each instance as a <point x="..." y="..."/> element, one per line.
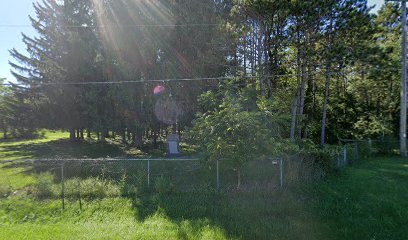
<point x="367" y="201"/>
<point x="242" y="215"/>
<point x="62" y="149"/>
<point x="33" y="136"/>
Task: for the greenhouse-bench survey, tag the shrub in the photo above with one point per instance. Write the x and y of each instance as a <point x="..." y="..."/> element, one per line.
<point x="91" y="188"/>
<point x="163" y="186"/>
<point x="132" y="185"/>
<point x="129" y="190"/>
<point x="310" y="163"/>
<point x="98" y="188"/>
<point x="44" y="185"/>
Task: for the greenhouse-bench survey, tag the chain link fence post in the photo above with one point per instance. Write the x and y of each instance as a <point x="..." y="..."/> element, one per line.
<point x="370" y="145"/>
<point x="79" y="194"/>
<point x="338" y="156"/>
<point x="281" y="173"/>
<point x="148" y="173"/>
<point x="62" y="186"/>
<point x="218" y="175"/>
<point x="345" y="156"/>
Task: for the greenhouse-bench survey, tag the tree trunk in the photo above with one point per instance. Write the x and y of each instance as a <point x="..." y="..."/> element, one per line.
<point x="301" y="98"/>
<point x="306" y="132"/>
<point x="138" y="138"/>
<point x="309" y="101"/>
<point x="326" y="95"/>
<point x="238" y="178"/>
<point x="155" y="136"/>
<point x="253" y="47"/>
<point x="260" y="70"/>
<point x="295" y="104"/>
<point x="326" y="86"/>
<point x="72" y="134"/>
<point x="266" y="73"/>
<point x="179" y="131"/>
<point x="14" y="133"/>
<point x="123" y="136"/>
<point x="129" y="135"/>
<point x="293" y="117"/>
<point x="103" y="136"/>
<point x="245" y="54"/>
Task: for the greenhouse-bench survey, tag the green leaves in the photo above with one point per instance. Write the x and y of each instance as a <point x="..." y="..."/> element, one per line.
<point x="234" y="132"/>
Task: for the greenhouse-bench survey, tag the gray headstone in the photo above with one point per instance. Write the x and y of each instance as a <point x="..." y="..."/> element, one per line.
<point x="173" y="141"/>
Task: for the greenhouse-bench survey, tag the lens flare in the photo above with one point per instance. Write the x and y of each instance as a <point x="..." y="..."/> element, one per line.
<point x="167" y="111"/>
<point x="158" y="90"/>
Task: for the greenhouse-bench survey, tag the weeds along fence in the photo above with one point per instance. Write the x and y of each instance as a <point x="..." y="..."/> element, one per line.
<point x="351" y="151"/>
<point x="90" y="179"/>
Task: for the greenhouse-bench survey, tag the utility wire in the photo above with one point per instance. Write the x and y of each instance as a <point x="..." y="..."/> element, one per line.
<point x="135" y="81"/>
<point x="179" y="79"/>
<point x="119" y="25"/>
<point x="103" y="159"/>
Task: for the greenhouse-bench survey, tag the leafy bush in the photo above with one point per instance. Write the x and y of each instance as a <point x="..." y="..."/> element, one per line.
<point x="230" y="134"/>
<point x="44" y="186"/>
<point x="163" y="186"/>
<point x="98" y="188"/>
<point x="387" y="146"/>
<point x="324" y="159"/>
<point x="309" y="162"/>
<point x="91" y="188"/>
<point x="134" y="184"/>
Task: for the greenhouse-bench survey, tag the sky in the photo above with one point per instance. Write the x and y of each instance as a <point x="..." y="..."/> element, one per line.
<point x="14" y="20"/>
<point x="13" y="14"/>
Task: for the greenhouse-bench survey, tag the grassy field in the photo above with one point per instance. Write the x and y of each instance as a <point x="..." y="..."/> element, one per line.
<point x="367" y="201"/>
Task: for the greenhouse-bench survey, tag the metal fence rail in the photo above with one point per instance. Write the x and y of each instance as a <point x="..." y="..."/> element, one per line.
<point x="78" y="179"/>
<point x="351" y="151"/>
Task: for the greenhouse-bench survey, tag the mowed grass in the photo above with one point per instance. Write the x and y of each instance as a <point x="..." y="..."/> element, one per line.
<point x="100" y="219"/>
<point x="19" y="149"/>
<point x="13" y="179"/>
<point x="178" y="216"/>
<point x="56" y="144"/>
<point x="366" y="201"/>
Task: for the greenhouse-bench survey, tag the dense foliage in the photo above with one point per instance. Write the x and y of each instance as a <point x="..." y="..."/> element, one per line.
<point x="328" y="69"/>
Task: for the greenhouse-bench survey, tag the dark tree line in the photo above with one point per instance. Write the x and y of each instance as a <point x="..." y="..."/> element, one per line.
<point x="330" y="67"/>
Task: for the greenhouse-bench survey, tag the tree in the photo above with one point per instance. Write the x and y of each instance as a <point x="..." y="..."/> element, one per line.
<point x="233" y="129"/>
<point x="4" y="113"/>
<point x="61" y="54"/>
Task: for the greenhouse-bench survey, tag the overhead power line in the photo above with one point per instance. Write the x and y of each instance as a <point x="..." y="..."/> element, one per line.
<point x="118" y="25"/>
<point x="135" y="81"/>
<point x="177" y="79"/>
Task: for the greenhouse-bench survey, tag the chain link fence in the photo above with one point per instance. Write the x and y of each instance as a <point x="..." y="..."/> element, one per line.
<point x="351" y="151"/>
<point x="87" y="179"/>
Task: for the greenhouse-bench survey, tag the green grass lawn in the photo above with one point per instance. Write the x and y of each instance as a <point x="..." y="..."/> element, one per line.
<point x="366" y="201"/>
<point x="56" y="144"/>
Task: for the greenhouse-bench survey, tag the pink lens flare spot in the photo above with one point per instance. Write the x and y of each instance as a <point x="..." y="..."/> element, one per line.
<point x="158" y="90"/>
